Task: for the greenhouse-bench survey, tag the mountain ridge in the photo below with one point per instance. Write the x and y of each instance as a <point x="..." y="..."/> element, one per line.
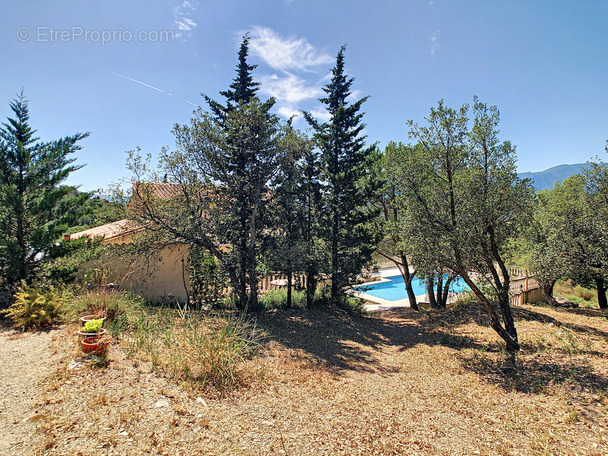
<point x="542" y="180"/>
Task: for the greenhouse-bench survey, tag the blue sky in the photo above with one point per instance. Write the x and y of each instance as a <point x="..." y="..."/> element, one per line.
<point x="127" y="71"/>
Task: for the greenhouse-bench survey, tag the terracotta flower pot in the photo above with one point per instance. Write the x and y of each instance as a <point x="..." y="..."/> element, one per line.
<point x="94" y="345"/>
<point x="85" y="335"/>
<point x="83" y="320"/>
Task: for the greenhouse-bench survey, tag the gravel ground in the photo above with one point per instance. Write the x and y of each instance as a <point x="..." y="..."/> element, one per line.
<point x="25" y="360"/>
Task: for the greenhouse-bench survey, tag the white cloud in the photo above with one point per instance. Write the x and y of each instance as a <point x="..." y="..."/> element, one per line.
<point x="321" y="114"/>
<point x="290" y="89"/>
<point x="285" y="54"/>
<point x="182" y="18"/>
<point x="289" y="92"/>
<point x="435" y="42"/>
<point x="297" y="63"/>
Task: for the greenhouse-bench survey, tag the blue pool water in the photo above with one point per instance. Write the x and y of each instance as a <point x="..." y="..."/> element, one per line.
<point x="395" y="289"/>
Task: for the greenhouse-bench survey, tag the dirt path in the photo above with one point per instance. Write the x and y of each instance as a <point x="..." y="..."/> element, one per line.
<point x="25" y="360"/>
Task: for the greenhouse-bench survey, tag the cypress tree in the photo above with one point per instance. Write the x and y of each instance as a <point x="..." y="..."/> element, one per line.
<point x="345" y="168"/>
<point x="242" y="90"/>
<point x="36" y="207"/>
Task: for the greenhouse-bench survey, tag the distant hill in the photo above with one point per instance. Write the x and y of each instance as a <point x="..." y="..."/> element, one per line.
<point x="542" y="180"/>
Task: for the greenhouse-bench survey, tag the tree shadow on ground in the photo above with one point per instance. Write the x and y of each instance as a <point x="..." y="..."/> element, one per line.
<point x="347" y="341"/>
<point x="542" y="366"/>
<point x="539" y="316"/>
<point x="538" y="374"/>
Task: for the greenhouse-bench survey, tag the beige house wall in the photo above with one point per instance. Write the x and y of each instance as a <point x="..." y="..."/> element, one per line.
<point x="160" y="275"/>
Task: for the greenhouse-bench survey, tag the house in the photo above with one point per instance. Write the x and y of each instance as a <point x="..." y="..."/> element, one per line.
<point x="159" y="276"/>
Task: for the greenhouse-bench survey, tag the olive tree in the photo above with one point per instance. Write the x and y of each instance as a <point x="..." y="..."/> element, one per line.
<point x="465" y="203"/>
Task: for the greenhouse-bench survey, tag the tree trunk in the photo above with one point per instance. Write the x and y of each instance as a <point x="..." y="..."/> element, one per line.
<point x="334" y="260"/>
<point x="601" y="292"/>
<point x="253" y="290"/>
<point x="311" y="286"/>
<point x="410" y="294"/>
<point x="407" y="279"/>
<point x="430" y="291"/>
<point x="439" y="294"/>
<point x="503" y="287"/>
<point x="446" y="289"/>
<point x="546" y="289"/>
<point x="289" y="276"/>
<point x="443" y="293"/>
<point x="512" y="344"/>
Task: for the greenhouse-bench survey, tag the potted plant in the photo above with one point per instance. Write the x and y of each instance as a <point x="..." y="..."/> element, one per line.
<point x="96" y="316"/>
<point x="92" y="328"/>
<point x="97" y="345"/>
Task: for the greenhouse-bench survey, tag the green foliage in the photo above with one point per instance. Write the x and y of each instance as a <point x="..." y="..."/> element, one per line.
<point x="66" y="259"/>
<point x="207" y="280"/>
<point x="97" y="211"/>
<point x="36" y="206"/>
<point x="277" y="299"/>
<point x="462" y="203"/>
<point x="577" y="294"/>
<point x="570" y="235"/>
<point x="37" y="308"/>
<point x="289" y="247"/>
<point x="347" y="185"/>
<point x="93" y="326"/>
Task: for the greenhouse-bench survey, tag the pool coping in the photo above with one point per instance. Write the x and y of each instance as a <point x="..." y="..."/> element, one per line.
<point x="375" y="304"/>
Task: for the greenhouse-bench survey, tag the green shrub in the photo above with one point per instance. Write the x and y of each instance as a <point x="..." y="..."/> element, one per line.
<point x="583" y="293"/>
<point x="352" y="304"/>
<point x="277" y="299"/>
<point x="93" y="326"/>
<point x="37" y="308"/>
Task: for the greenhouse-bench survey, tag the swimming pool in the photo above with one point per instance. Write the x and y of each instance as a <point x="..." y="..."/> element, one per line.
<point x="394" y="289"/>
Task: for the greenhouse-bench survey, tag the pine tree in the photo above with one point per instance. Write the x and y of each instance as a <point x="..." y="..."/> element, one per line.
<point x="242" y="90"/>
<point x="345" y="166"/>
<point x="36" y="207"/>
<point x="224" y="164"/>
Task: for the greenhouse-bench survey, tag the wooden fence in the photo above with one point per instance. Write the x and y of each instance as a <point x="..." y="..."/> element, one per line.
<point x="524" y="289"/>
<point x="278" y="281"/>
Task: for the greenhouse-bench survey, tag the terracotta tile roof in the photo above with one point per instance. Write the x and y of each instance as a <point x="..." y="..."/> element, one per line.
<point x="107" y="231"/>
<point x="164" y="191"/>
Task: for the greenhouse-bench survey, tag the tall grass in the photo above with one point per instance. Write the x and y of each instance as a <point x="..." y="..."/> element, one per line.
<point x="121" y="309"/>
<point x="207" y="352"/>
<point x="277" y="299"/>
<point x="580" y="295"/>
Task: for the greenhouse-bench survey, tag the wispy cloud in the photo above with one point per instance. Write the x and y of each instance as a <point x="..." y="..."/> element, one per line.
<point x="289" y="92"/>
<point x="290" y="89"/>
<point x="182" y="18"/>
<point x="435" y="42"/>
<point x="297" y="63"/>
<point x="286" y="54"/>
<point x="321" y="113"/>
